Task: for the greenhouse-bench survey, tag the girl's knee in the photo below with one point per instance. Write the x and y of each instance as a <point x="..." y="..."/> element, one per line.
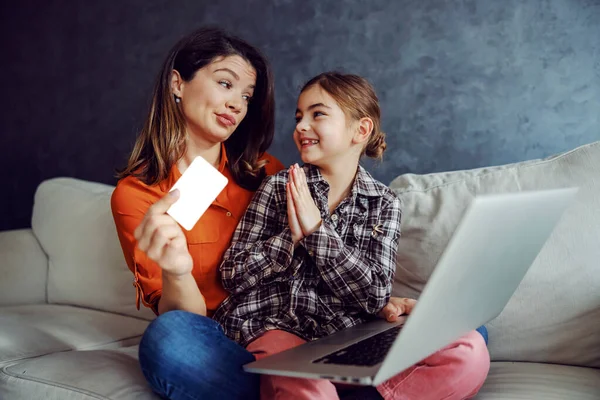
<point x="479" y="356"/>
<point x="474" y="362"/>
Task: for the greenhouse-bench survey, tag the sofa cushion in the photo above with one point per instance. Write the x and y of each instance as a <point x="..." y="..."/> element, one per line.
<point x="115" y="374"/>
<point x="77" y="375"/>
<point x="554" y="314"/>
<point x="509" y="381"/>
<point x="73" y="222"/>
<point x="33" y="330"/>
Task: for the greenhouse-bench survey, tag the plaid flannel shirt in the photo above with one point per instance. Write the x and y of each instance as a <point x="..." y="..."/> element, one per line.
<point x="336" y="278"/>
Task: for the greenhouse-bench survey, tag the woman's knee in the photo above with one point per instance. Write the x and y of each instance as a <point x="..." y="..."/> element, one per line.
<point x="170" y="335"/>
<point x="185" y="355"/>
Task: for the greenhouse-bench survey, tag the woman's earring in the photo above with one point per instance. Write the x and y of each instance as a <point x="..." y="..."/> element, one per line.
<point x="177" y="99"/>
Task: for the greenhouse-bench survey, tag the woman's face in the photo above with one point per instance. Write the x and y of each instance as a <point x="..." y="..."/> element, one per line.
<point x="216" y="100"/>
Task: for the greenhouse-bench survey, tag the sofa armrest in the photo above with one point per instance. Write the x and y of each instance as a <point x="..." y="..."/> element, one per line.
<point x="23" y="268"/>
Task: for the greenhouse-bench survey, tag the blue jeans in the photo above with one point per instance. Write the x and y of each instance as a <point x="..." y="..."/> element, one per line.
<point x="484" y="332"/>
<point x="187" y="356"/>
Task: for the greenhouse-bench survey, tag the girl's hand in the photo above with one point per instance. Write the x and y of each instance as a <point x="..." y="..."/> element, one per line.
<point x="162" y="239"/>
<point x="307" y="213"/>
<point x="291" y="212"/>
<point x="396" y="307"/>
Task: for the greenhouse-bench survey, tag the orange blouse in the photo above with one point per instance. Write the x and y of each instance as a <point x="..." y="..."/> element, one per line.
<point x="207" y="241"/>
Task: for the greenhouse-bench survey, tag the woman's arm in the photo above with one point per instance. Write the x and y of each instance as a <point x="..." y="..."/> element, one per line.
<point x="181" y="293"/>
<point x="155" y="250"/>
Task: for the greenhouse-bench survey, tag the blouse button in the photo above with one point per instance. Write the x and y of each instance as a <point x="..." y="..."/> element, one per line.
<point x="228" y="214"/>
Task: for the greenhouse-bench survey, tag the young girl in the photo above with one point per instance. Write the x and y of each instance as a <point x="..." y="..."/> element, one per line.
<point x="315" y="252"/>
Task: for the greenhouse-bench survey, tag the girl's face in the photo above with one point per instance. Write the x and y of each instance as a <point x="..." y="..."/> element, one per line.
<point x="216" y="100"/>
<point x="322" y="133"/>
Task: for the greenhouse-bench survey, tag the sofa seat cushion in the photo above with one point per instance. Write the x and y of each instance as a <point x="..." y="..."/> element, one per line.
<point x="115" y="374"/>
<point x="33" y="330"/>
<point x="77" y="375"/>
<point x="510" y="381"/>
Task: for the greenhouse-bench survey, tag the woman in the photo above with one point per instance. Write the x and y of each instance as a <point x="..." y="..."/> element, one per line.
<point x="210" y="86"/>
<point x="213" y="98"/>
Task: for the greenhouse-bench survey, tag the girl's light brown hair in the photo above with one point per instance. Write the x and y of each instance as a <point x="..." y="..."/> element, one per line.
<point x="357" y="98"/>
<point x="162" y="141"/>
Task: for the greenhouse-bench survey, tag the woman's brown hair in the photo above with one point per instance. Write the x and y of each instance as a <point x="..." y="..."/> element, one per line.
<point x="161" y="142"/>
<point x="357" y="98"/>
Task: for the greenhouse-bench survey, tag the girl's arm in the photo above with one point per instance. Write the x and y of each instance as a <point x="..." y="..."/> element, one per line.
<point x="261" y="251"/>
<point x="360" y="276"/>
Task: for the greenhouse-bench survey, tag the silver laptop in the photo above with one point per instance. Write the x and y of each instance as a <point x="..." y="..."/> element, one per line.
<point x="492" y="248"/>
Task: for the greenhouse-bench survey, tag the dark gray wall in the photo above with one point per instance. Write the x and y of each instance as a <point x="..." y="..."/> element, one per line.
<point x="462" y="83"/>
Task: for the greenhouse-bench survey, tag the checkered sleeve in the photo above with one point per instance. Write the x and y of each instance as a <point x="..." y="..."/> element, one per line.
<point x="359" y="276"/>
<point x="260" y="251"/>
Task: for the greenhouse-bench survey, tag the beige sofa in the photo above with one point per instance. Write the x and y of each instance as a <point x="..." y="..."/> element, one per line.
<point x="69" y="329"/>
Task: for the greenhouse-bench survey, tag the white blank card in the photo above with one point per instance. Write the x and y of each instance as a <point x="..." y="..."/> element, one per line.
<point x="198" y="187"/>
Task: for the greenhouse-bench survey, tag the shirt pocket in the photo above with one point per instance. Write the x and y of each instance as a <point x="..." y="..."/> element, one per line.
<point x="206" y="248"/>
<point x="203" y="236"/>
<point x="359" y="233"/>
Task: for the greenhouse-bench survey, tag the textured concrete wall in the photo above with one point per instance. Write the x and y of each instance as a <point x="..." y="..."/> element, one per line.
<point x="462" y="83"/>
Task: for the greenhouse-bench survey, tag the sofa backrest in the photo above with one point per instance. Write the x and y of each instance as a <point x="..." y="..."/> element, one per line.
<point x="555" y="313"/>
<point x="552" y="317"/>
<point x="74" y="225"/>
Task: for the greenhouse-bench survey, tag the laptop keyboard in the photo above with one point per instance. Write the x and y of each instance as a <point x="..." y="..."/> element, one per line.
<point x="368" y="352"/>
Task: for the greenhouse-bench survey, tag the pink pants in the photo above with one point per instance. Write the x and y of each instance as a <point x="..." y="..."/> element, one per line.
<point x="455" y="372"/>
